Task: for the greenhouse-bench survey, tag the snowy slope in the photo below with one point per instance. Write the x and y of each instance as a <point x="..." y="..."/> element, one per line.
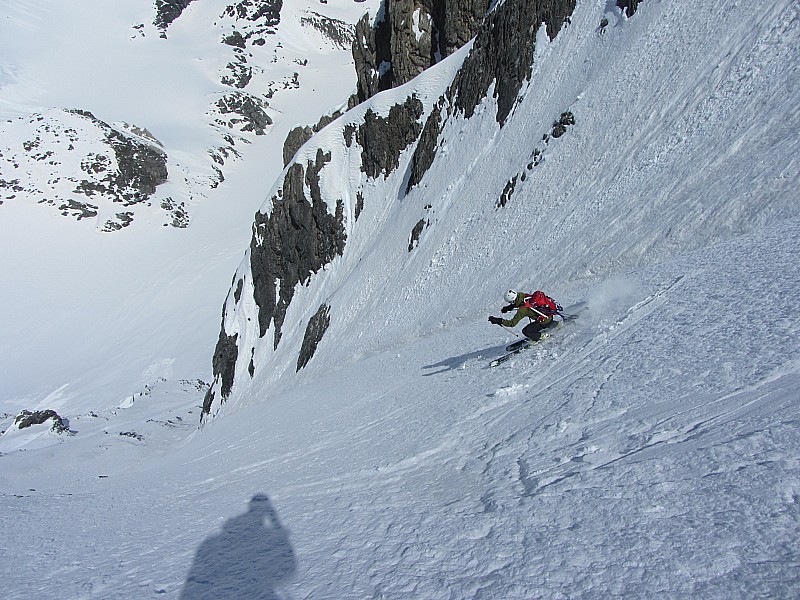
<point x="171" y="82"/>
<point x="642" y="452"/>
<point x="650" y="449"/>
<point x="703" y="148"/>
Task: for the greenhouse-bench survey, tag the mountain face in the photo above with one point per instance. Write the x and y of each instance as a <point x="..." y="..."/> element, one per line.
<point x="636" y="157"/>
<point x="302" y="231"/>
<point x="96" y="170"/>
<point x="391" y="174"/>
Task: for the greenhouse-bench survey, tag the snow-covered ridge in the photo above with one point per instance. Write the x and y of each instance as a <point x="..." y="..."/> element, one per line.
<point x="94" y="171"/>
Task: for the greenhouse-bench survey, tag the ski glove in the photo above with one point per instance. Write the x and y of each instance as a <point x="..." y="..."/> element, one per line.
<point x="508" y="308"/>
<point x="495" y="320"/>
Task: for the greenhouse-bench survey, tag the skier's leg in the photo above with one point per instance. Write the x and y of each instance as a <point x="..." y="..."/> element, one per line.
<point x="532" y="331"/>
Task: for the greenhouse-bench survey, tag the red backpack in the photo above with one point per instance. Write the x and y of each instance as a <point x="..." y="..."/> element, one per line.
<point x="541" y="303"/>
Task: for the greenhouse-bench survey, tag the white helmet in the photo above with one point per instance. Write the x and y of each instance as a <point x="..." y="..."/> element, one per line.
<point x="511" y="295"/>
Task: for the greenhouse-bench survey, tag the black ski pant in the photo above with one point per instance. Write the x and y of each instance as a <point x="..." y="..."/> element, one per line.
<point x="533" y="330"/>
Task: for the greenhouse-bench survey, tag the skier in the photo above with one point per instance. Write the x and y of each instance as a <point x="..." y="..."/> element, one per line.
<point x="538" y="307"/>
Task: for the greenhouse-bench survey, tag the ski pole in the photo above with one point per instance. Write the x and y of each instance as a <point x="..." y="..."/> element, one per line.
<point x="509" y="332"/>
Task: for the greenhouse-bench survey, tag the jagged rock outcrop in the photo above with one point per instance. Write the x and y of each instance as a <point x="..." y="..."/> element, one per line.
<point x="567" y="119"/>
<point x="416" y="233"/>
<point x="167" y="11"/>
<point x="456" y="25"/>
<point x="180" y="216"/>
<point x="300" y="135"/>
<point x="502" y="54"/>
<point x="425" y="152"/>
<point x="294" y="140"/>
<point x="409" y="36"/>
<point x="266" y="12"/>
<point x="628" y="6"/>
<point x="359" y="205"/>
<point x="295" y="240"/>
<point x="243" y="112"/>
<point x="223" y="364"/>
<point x="508" y="191"/>
<point x="372" y="55"/>
<point x="29" y="418"/>
<point x="140" y="169"/>
<point x="238" y="72"/>
<point x="317" y="326"/>
<point x="383" y="139"/>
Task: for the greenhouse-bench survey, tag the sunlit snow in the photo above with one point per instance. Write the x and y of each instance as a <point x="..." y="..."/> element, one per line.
<point x="648" y="449"/>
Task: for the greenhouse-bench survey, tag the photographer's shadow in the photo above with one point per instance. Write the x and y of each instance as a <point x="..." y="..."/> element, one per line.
<point x="247" y="559"/>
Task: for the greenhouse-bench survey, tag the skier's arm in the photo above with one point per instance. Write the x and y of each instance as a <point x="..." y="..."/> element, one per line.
<point x="518" y="316"/>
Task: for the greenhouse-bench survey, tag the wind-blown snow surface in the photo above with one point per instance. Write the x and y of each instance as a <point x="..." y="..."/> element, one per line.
<point x="650" y="449"/>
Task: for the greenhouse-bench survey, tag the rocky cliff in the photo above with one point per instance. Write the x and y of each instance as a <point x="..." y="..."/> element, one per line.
<point x="409" y="36"/>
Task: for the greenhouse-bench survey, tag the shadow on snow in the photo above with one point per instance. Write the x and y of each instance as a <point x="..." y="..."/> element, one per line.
<point x="456" y="362"/>
<point x="247" y="559"/>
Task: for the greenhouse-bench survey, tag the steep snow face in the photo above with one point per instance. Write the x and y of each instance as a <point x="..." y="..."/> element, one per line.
<point x="661" y="140"/>
<point x="649" y="449"/>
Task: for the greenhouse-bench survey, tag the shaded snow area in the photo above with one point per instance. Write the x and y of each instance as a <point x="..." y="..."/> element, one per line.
<point x="648" y="449"/>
